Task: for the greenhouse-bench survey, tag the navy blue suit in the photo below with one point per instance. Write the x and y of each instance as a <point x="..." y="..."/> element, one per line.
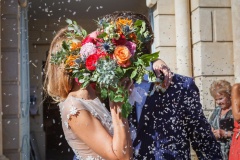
<point x="170" y="121"/>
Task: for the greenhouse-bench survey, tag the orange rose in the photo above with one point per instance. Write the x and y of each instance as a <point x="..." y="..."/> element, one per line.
<point x="122" y="55"/>
<point x="71" y="60"/>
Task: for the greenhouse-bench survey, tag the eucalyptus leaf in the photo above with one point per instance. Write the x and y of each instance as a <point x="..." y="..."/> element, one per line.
<point x="118" y="99"/>
<point x="69" y="21"/>
<point x="134" y="73"/>
<point x="70" y="28"/>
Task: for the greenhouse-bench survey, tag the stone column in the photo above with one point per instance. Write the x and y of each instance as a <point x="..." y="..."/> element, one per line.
<point x="183" y="43"/>
<point x="235" y="5"/>
<point x="2" y="157"/>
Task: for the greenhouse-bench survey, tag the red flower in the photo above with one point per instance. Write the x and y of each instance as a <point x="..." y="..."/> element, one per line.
<point x="99" y="51"/>
<point x="91" y="61"/>
<point x="89" y="39"/>
<point x="120" y="41"/>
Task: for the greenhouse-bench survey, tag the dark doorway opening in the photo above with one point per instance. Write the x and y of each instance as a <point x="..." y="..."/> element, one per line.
<point x="57" y="147"/>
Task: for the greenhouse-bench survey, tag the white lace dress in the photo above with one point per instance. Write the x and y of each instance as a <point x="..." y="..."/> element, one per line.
<point x="71" y="106"/>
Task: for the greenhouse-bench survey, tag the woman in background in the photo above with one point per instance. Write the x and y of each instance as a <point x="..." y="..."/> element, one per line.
<point x="235" y="145"/>
<point x="221" y="119"/>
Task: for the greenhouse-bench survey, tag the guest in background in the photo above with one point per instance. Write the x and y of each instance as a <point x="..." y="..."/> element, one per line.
<point x="221" y="119"/>
<point x="235" y="145"/>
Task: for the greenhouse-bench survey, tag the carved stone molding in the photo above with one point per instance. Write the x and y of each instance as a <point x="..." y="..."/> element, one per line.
<point x="150" y="3"/>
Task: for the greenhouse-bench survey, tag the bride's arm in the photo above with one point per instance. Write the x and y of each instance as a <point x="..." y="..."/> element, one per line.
<point x="91" y="131"/>
<point x="122" y="144"/>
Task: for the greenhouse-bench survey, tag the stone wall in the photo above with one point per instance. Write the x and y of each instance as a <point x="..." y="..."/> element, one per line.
<point x="10" y="78"/>
<point x="210" y="55"/>
<point x="212" y="45"/>
<point x="165" y="31"/>
<point x="211" y="42"/>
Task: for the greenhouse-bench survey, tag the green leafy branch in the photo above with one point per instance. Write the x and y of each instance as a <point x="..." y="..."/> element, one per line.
<point x="61" y="55"/>
<point x="75" y="30"/>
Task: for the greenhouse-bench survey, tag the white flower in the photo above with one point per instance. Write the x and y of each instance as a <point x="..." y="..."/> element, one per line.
<point x="81" y="81"/>
<point x="73" y="111"/>
<point x="109" y="29"/>
<point x="86" y="74"/>
<point x="88" y="49"/>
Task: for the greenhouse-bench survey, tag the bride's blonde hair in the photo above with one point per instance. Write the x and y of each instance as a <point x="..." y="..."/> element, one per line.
<point x="58" y="83"/>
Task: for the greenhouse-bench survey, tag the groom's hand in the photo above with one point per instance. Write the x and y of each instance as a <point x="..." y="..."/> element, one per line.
<point x="160" y="67"/>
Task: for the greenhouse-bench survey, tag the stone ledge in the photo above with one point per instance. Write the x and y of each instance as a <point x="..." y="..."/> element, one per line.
<point x="209" y="3"/>
<point x="164" y="7"/>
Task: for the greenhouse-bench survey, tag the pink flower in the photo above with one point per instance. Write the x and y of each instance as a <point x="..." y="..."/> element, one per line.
<point x="88" y="49"/>
<point x="94" y="34"/>
<point x="131" y="46"/>
<point x="89" y="39"/>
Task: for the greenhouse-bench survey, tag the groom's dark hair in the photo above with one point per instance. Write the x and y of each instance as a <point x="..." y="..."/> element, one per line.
<point x="133" y="16"/>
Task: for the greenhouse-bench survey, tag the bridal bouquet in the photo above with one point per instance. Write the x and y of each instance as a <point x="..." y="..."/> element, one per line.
<point x="115" y="53"/>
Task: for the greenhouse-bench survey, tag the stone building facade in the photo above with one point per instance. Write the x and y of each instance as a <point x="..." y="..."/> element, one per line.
<point x="197" y="38"/>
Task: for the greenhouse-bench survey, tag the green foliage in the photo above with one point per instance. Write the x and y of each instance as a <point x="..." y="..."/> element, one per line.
<point x="61" y="55"/>
<point x="75" y="30"/>
<point x="126" y="109"/>
<point x="148" y="58"/>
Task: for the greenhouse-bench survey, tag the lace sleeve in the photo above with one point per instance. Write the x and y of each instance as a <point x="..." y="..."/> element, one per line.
<point x="70" y="108"/>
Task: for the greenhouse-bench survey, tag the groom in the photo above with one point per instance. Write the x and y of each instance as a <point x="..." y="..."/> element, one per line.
<point x="166" y="124"/>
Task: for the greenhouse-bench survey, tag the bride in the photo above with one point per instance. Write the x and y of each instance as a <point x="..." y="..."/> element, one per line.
<point x="90" y="129"/>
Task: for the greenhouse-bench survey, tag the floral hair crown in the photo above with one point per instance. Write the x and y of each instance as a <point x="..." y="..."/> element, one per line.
<point x="114" y="53"/>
